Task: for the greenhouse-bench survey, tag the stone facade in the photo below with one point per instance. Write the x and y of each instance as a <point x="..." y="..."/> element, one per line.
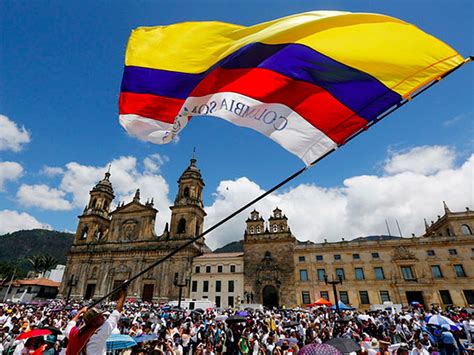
<point x="437" y="267"/>
<point x="111" y="246"/>
<point x="268" y="251"/>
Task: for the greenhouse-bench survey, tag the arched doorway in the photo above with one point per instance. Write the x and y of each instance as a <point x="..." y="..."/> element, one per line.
<point x="270" y="296"/>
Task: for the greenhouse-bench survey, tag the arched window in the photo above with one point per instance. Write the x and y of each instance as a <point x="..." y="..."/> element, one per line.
<point x="182" y="226"/>
<point x="186" y="192"/>
<point x="275" y="228"/>
<point x="465" y="229"/>
<point x="282" y="228"/>
<point x="251" y="230"/>
<point x="99" y="235"/>
<point x="258" y="229"/>
<point x="198" y="228"/>
<point x="84" y="232"/>
<point x="94" y="203"/>
<point x="448" y="232"/>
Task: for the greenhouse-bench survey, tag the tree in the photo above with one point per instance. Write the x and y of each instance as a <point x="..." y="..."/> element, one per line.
<point x="42" y="263"/>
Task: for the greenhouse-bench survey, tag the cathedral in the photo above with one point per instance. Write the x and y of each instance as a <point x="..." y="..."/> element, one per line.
<point x="110" y="246"/>
<point x="272" y="267"/>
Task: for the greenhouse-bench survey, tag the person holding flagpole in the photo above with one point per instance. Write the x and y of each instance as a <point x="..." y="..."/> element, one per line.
<point x="91" y="336"/>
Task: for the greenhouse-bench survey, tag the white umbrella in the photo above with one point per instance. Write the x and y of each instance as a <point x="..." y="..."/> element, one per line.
<point x="440" y="320"/>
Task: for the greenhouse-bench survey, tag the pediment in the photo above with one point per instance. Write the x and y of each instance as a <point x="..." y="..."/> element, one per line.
<point x="133" y="207"/>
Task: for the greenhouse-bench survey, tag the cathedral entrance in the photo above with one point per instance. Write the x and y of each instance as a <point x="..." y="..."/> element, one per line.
<point x="147" y="294"/>
<point x="89" y="291"/>
<point x="270" y="296"/>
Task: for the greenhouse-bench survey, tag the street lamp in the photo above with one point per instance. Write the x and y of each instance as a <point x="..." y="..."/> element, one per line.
<point x="334" y="283"/>
<point x="183" y="283"/>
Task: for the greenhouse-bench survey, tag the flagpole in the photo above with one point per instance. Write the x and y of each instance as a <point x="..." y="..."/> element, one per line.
<point x="276" y="187"/>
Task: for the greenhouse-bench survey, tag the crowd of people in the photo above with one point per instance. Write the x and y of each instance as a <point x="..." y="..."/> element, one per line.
<point x="162" y="329"/>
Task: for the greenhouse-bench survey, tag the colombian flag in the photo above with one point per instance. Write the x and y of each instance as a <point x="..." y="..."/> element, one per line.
<point x="307" y="81"/>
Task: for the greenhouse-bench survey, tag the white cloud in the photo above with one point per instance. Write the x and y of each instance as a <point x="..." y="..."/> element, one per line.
<point x="52" y="171"/>
<point x="9" y="171"/>
<point x="13" y="221"/>
<point x="12" y="137"/>
<point x="359" y="207"/>
<point x="79" y="179"/>
<point x="154" y="162"/>
<point x="44" y="197"/>
<point x="423" y="160"/>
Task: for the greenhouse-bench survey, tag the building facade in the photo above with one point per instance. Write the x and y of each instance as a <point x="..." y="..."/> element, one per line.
<point x="111" y="246"/>
<point x="218" y="277"/>
<point x="273" y="268"/>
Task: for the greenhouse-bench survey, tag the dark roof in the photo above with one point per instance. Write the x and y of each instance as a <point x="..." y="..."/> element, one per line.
<point x="375" y="238"/>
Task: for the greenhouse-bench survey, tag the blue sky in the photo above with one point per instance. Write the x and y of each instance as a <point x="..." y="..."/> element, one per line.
<point x="61" y="64"/>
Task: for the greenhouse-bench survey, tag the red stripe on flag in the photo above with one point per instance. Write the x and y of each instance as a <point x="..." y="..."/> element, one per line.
<point x="313" y="103"/>
<point x="160" y="108"/>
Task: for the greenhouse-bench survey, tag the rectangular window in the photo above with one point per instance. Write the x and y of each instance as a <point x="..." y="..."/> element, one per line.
<point x="194" y="286"/>
<point x="230" y="286"/>
<point x="230" y="301"/>
<point x="445" y="297"/>
<point x="319" y="258"/>
<point x="379" y="275"/>
<point x="384" y="296"/>
<point x="324" y="294"/>
<point x="197" y="270"/>
<point x="218" y="285"/>
<point x="469" y="295"/>
<point x="232" y="268"/>
<point x="303" y="275"/>
<point x="364" y="297"/>
<point x="219" y="268"/>
<point x="453" y="252"/>
<point x="430" y="253"/>
<point x="407" y="273"/>
<point x="208" y="269"/>
<point x="340" y="272"/>
<point x="321" y="274"/>
<point x="436" y="271"/>
<point x="359" y="273"/>
<point x="218" y="301"/>
<point x="459" y="270"/>
<point x="305" y="297"/>
<point x="375" y="255"/>
<point x="356" y="256"/>
<point x="301" y="259"/>
<point x="344" y="297"/>
<point x="205" y="286"/>
<point x="337" y="256"/>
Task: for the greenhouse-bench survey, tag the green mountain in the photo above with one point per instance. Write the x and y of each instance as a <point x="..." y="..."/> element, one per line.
<point x="17" y="246"/>
<point x="232" y="247"/>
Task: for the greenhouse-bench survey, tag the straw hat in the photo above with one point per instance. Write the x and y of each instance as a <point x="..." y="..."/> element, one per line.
<point x="374" y="343"/>
<point x="90" y="315"/>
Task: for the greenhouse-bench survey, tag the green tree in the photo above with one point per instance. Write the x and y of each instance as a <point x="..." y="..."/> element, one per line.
<point x="42" y="263"/>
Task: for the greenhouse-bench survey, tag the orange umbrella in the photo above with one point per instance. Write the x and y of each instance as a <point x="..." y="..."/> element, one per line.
<point x="322" y="302"/>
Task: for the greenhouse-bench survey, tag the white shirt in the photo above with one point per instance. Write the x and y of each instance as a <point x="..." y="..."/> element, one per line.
<point x="96" y="344"/>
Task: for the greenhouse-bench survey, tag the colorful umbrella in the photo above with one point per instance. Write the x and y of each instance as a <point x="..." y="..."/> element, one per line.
<point x="319" y="349"/>
<point x="34" y="333"/>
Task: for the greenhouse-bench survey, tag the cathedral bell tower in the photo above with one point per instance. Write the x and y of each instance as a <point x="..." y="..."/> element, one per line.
<point x="187" y="213"/>
<point x="95" y="220"/>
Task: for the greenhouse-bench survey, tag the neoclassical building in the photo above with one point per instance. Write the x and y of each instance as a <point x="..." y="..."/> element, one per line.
<point x="111" y="246"/>
<point x="273" y="267"/>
